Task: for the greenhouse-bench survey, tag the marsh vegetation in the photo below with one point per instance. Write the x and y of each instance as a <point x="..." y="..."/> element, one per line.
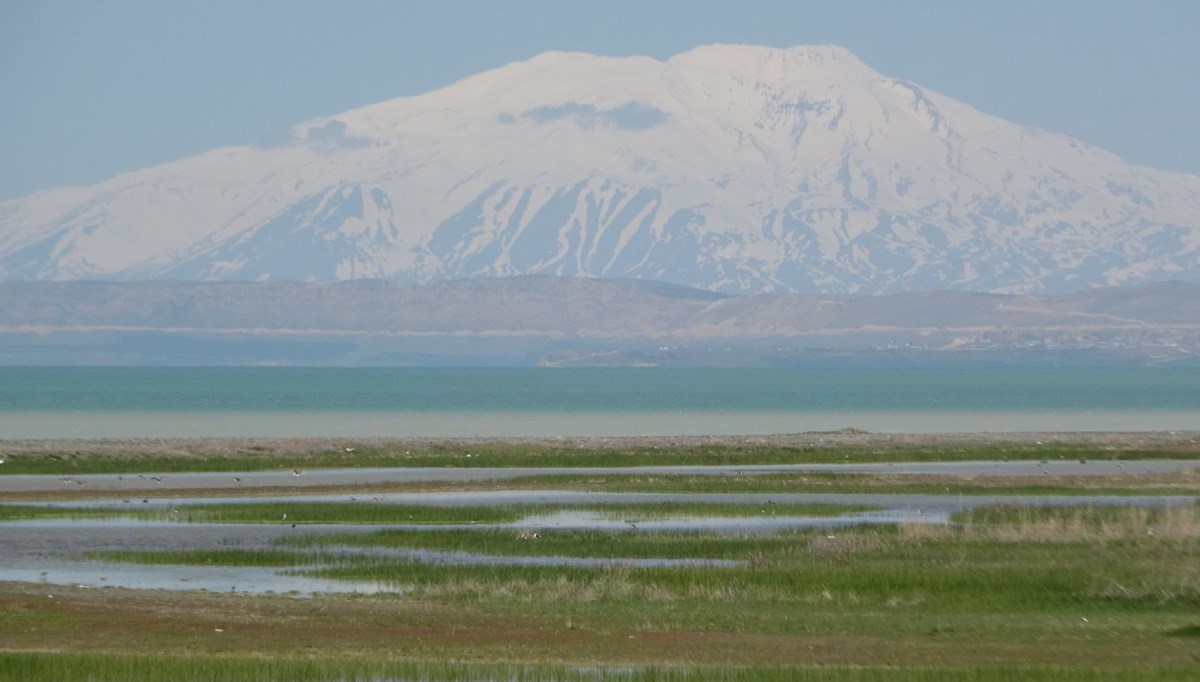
<point x="487" y="591"/>
<point x="138" y="457"/>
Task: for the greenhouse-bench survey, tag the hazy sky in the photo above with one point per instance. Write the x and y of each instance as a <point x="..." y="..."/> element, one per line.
<point x="92" y="88"/>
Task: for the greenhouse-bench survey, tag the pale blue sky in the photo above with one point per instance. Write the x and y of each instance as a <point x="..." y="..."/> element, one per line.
<point x="92" y="88"/>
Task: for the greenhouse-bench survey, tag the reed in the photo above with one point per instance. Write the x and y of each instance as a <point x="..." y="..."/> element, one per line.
<point x="1081" y="524"/>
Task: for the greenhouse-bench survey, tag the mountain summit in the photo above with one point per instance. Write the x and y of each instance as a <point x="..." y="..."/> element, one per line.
<point x="730" y="168"/>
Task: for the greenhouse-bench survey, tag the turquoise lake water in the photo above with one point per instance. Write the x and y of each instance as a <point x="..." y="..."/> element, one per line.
<point x="113" y="402"/>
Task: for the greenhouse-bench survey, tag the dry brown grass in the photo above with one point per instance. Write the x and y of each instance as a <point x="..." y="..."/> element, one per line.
<point x="612" y="583"/>
<point x="1080" y="524"/>
<point x="843" y="545"/>
<point x="1086" y="525"/>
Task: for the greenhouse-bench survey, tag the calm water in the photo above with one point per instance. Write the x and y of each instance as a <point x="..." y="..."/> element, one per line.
<point x="164" y="402"/>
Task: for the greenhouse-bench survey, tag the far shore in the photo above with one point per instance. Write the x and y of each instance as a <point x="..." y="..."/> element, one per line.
<point x="191" y="447"/>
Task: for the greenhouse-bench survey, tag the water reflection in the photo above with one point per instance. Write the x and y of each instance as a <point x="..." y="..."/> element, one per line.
<point x="236" y="579"/>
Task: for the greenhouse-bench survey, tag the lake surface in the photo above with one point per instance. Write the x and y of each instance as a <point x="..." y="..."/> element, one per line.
<point x="114" y="402"/>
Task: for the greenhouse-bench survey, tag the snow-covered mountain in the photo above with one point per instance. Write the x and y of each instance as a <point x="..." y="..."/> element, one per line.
<point x="730" y="168"/>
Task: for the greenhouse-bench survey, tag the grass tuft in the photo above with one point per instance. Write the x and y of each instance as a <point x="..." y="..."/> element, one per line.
<point x="46" y="667"/>
<point x="1185" y="631"/>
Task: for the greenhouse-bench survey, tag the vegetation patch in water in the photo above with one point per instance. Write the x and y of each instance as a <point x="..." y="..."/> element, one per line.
<point x="931" y="570"/>
<point x="210" y="557"/>
<point x="373" y="510"/>
<point x="26" y="512"/>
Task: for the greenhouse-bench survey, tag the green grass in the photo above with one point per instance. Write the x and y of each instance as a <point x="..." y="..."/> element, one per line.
<point x="570" y="543"/>
<point x="984" y="566"/>
<point x="361" y="512"/>
<point x="383" y="513"/>
<point x="1089" y="591"/>
<point x="1000" y="560"/>
<point x="22" y="512"/>
<point x="274" y="512"/>
<point x="836" y="483"/>
<point x="368" y="512"/>
<point x="863" y="570"/>
<point x="492" y="454"/>
<point x="959" y="599"/>
<point x="51" y="667"/>
<point x="215" y="557"/>
<point x="1185" y="631"/>
<point x="1094" y="516"/>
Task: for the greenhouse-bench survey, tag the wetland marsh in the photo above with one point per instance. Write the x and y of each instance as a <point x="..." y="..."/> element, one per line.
<point x="858" y="558"/>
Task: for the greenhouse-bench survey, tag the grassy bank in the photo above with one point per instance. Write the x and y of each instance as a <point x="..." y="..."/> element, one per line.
<point x="111" y="460"/>
<point x="370" y="511"/>
<point x="38" y="667"/>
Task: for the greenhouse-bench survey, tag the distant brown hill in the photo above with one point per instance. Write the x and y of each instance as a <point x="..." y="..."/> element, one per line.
<point x="574" y="317"/>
